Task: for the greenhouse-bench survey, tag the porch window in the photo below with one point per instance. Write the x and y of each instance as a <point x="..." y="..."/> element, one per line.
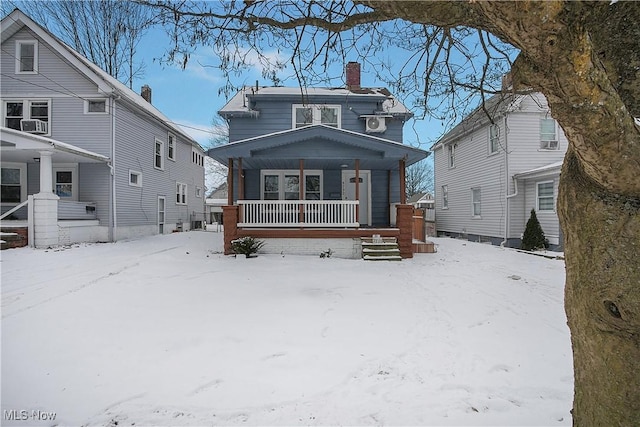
<point x="494" y="138"/>
<point x="181" y="193"/>
<point x="64" y="184"/>
<point x="26" y="57"/>
<point x="17" y="110"/>
<point x="548" y="137"/>
<point x="545" y="196"/>
<point x="305" y="115"/>
<point x="158" y="162"/>
<point x="11" y="185"/>
<point x="445" y="197"/>
<point x="476" y="202"/>
<point x="285" y="185"/>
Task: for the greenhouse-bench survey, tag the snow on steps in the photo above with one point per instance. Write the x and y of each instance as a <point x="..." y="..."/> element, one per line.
<point x="16" y="238"/>
<point x="380" y="249"/>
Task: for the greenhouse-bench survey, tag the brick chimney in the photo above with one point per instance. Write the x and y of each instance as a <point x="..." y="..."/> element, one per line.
<point x="353" y="75"/>
<point x="145" y="92"/>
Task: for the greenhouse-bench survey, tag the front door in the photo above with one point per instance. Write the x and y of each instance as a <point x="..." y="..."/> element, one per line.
<point x="161" y="212"/>
<point x="349" y="192"/>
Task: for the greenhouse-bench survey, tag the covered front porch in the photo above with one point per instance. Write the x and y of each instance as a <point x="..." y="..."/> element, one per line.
<point x="316" y="183"/>
<point x="41" y="187"/>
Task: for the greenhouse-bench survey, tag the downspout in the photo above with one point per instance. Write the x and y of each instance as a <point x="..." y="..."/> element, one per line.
<point x="113" y="222"/>
<point x="515" y="183"/>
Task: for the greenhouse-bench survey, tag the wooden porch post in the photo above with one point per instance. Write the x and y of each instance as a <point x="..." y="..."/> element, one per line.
<point x="357" y="190"/>
<point x="240" y="180"/>
<point x="403" y="189"/>
<point x="301" y="191"/>
<point x="230" y="182"/>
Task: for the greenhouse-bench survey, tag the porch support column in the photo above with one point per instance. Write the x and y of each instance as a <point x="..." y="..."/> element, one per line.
<point x="230" y="218"/>
<point x="230" y="182"/>
<point x="301" y="192"/>
<point x="240" y="180"/>
<point x="404" y="221"/>
<point x="45" y="206"/>
<point x="403" y="188"/>
<point x="357" y="183"/>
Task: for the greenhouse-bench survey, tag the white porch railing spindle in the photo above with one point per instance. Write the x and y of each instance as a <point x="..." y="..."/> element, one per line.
<point x="285" y="213"/>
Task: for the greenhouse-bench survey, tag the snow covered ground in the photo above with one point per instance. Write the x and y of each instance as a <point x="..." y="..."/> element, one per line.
<point x="166" y="330"/>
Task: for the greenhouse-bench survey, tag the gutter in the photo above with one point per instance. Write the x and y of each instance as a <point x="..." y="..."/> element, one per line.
<point x="515" y="183"/>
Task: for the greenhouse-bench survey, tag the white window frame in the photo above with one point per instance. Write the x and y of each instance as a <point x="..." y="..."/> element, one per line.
<point x="281" y="173"/>
<point x="549" y="142"/>
<point x="445" y="197"/>
<point x="181" y="193"/>
<point x="87" y="102"/>
<point x="171" y="146"/>
<point x="158" y="154"/>
<point x="19" y="44"/>
<point x="26" y="110"/>
<point x="316" y="111"/>
<point x="451" y="155"/>
<point x="138" y="175"/>
<point x="198" y="191"/>
<point x="23" y="181"/>
<point x="66" y="167"/>
<point x="494" y="138"/>
<point x="552" y="197"/>
<point x="196" y="157"/>
<point x="476" y="202"/>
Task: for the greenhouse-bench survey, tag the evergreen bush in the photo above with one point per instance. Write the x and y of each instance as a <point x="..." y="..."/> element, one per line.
<point x="533" y="237"/>
<point x="246" y="246"/>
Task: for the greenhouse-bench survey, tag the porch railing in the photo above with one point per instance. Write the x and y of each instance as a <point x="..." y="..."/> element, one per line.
<point x="297" y="213"/>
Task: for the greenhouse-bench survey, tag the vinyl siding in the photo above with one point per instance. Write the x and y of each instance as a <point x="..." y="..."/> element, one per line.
<point x="548" y="219"/>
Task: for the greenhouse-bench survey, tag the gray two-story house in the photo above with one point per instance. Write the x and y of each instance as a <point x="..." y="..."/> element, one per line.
<point x="495" y="166"/>
<point x="84" y="158"/>
<point x="315" y="163"/>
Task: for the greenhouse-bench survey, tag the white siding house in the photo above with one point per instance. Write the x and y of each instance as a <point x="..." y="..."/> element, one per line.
<point x="100" y="158"/>
<point x="495" y="166"/>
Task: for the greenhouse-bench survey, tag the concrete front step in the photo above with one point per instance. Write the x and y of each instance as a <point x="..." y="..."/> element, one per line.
<point x="380" y="249"/>
<point x="382" y="258"/>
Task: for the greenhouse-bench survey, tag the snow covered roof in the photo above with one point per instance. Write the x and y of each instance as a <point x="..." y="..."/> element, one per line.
<point x="13" y="22"/>
<point x="240" y="103"/>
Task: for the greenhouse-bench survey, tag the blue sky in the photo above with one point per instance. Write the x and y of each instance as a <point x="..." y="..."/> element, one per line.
<point x="190" y="97"/>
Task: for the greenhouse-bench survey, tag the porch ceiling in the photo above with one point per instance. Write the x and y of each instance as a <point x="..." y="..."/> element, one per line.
<point x="321" y="147"/>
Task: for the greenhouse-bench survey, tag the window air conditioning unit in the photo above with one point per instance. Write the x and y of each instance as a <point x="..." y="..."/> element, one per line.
<point x="549" y="145"/>
<point x="37" y="127"/>
<point x="375" y="124"/>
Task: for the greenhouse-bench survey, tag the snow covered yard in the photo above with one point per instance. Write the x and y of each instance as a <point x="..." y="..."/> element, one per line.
<point x="166" y="330"/>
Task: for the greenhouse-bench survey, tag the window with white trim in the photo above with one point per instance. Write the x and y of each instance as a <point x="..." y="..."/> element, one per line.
<point x="135" y="178"/>
<point x="476" y="202"/>
<point x="452" y="154"/>
<point x="63" y="184"/>
<point x="158" y="155"/>
<point x="197" y="158"/>
<point x="15" y="111"/>
<point x="26" y="56"/>
<point x="494" y="138"/>
<point x="95" y="106"/>
<point x="181" y="193"/>
<point x="285" y="185"/>
<point x="445" y="197"/>
<point x="306" y="115"/>
<point x="548" y="135"/>
<point x="198" y="191"/>
<point x="545" y="196"/>
<point x="13" y="183"/>
<point x="171" y="146"/>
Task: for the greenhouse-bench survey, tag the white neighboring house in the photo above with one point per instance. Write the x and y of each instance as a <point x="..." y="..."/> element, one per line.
<point x="495" y="166"/>
<point x="84" y="158"/>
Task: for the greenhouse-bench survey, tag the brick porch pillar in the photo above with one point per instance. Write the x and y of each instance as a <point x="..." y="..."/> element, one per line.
<point x="404" y="221"/>
<point x="230" y="224"/>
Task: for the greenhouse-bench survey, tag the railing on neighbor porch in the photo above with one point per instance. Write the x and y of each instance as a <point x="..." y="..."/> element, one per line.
<point x="298" y="213"/>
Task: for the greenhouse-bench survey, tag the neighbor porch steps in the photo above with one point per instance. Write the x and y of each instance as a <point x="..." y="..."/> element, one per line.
<point x="16" y="238"/>
<point x="380" y="249"/>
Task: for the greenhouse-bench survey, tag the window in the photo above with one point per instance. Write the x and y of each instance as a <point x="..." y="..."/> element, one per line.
<point x="285" y="185"/>
<point x="17" y="110"/>
<point x="545" y="196"/>
<point x="95" y="106"/>
<point x="548" y="138"/>
<point x="135" y="178"/>
<point x="198" y="192"/>
<point x="26" y="57"/>
<point x="159" y="155"/>
<point x="475" y="202"/>
<point x="445" y="197"/>
<point x="171" y="143"/>
<point x="197" y="158"/>
<point x="64" y="184"/>
<point x="305" y="115"/>
<point x="494" y="138"/>
<point x="452" y="155"/>
<point x="181" y="193"/>
<point x="12" y="187"/>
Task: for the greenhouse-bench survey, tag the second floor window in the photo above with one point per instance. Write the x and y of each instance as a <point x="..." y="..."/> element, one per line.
<point x="306" y="115"/>
<point x="26" y="57"/>
<point x="548" y="136"/>
<point x="171" y="141"/>
<point x="452" y="155"/>
<point x="158" y="161"/>
<point x="494" y="138"/>
<point x="16" y="111"/>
